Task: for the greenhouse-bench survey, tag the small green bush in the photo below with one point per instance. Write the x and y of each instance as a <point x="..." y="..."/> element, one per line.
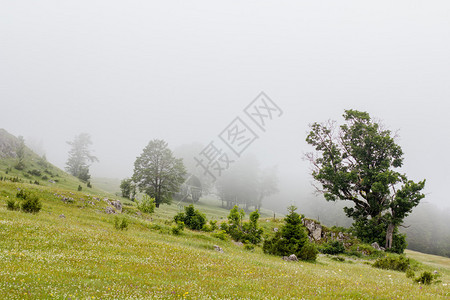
<point x="249" y="247"/>
<point x="31" y="204"/>
<point x="308" y="252"/>
<point x="396" y="263"/>
<point x="35" y="172"/>
<point x="19" y="166"/>
<point x="364" y="250"/>
<point x="224" y="227"/>
<point x="333" y="248"/>
<point x="146" y="205"/>
<point x="177" y="229"/>
<point x="120" y="223"/>
<point x="206" y="228"/>
<point x="410" y="273"/>
<point x="213" y="225"/>
<point x="243" y="231"/>
<point x="338" y="258"/>
<point x="21" y="194"/>
<point x="192" y="218"/>
<point x="221" y="235"/>
<point x="426" y="278"/>
<point x="80" y="188"/>
<point x="12" y="205"/>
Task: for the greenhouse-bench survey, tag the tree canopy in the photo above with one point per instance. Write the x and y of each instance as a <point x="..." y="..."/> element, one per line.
<point x="158" y="173"/>
<point x="356" y="161"/>
<point x="80" y="157"/>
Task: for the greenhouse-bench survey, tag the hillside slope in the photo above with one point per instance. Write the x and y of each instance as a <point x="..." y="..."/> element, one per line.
<point x="81" y="255"/>
<point x="37" y="170"/>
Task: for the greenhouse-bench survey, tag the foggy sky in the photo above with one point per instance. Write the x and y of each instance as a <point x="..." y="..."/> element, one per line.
<point x="130" y="71"/>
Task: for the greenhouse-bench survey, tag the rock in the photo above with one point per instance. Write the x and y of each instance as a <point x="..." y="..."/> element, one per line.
<point x="291" y="257"/>
<point x="109" y="210"/>
<point x="117" y="204"/>
<point x="317" y="233"/>
<point x="217" y="248"/>
<point x="62" y="216"/>
<point x="340" y="236"/>
<point x="275" y="229"/>
<point x="314" y="229"/>
<point x="240" y="244"/>
<point x="376" y="246"/>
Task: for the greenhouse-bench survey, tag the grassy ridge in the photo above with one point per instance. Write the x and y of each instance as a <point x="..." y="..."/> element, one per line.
<point x="82" y="256"/>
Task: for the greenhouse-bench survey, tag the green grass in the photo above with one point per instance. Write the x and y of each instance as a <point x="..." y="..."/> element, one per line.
<point x="50" y="175"/>
<point x="209" y="205"/>
<point x="82" y="256"/>
<point x="110" y="185"/>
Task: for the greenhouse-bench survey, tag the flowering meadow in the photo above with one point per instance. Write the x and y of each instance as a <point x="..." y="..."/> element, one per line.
<point x="71" y="250"/>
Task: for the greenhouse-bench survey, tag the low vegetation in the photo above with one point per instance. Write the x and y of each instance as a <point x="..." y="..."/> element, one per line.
<point x="240" y="231"/>
<point x="71" y="250"/>
<point x="291" y="239"/>
<point x="120" y="223"/>
<point x="391" y="262"/>
<point x="191" y="217"/>
<point x="146" y="204"/>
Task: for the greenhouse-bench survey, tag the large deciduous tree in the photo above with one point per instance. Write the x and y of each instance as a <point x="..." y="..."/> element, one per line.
<point x="80" y="157"/>
<point x="357" y="161"/>
<point x="158" y="173"/>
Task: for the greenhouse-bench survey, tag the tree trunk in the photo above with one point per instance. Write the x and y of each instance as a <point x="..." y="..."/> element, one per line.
<point x="157" y="204"/>
<point x="389" y="235"/>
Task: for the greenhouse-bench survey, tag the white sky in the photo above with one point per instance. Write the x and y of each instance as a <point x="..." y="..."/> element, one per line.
<point x="130" y="71"/>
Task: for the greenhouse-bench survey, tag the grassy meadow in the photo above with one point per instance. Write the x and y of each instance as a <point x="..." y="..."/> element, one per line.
<point x="82" y="256"/>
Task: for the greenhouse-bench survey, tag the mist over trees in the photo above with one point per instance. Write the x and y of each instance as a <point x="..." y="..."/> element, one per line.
<point x="428" y="229"/>
<point x="356" y="162"/>
<point x="190" y="190"/>
<point x="246" y="184"/>
<point x="158" y="173"/>
<point x="187" y="152"/>
<point x="80" y="157"/>
<point x="128" y="188"/>
<point x="20" y="152"/>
